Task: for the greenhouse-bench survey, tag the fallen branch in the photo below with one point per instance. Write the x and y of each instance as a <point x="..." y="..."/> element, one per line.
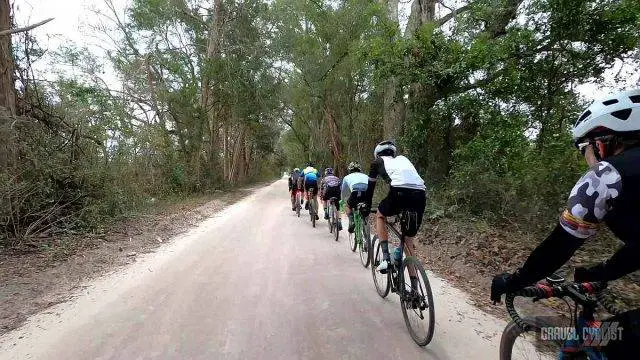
<point x="23" y="29"/>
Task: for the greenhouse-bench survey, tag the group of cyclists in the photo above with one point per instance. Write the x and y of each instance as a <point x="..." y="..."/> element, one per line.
<point x="607" y="134"/>
<point x="407" y="192"/>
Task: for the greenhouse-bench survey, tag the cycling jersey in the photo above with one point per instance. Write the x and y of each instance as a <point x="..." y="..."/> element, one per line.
<point x="609" y="192"/>
<point x="293" y="180"/>
<point x="310" y="169"/>
<point x="330" y="181"/>
<point x="397" y="171"/>
<point x="356" y="181"/>
<point x="310" y="176"/>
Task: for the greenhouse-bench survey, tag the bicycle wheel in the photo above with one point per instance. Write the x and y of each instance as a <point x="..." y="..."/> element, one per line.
<point x="417" y="304"/>
<point x="516" y="344"/>
<point x="363" y="245"/>
<point x="334" y="217"/>
<point x="353" y="242"/>
<point x="330" y="220"/>
<point x="381" y="281"/>
<point x="313" y="213"/>
<point x="298" y="200"/>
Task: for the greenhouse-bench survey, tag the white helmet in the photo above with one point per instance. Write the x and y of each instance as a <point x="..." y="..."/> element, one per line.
<point x="385" y="145"/>
<point x="619" y="113"/>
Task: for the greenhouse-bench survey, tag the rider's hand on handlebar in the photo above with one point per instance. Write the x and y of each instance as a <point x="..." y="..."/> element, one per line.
<point x="585" y="274"/>
<point x="502" y="284"/>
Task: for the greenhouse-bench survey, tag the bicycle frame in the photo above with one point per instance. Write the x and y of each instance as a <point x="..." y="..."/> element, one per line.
<point x="399" y="279"/>
<point x="357" y="219"/>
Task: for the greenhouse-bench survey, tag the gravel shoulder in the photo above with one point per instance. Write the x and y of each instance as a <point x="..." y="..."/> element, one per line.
<point x="35" y="281"/>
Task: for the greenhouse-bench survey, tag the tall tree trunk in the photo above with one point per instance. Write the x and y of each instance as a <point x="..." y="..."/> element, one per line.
<point x="393" y="111"/>
<point x="207" y="94"/>
<point x="7" y="91"/>
<point x="332" y="126"/>
<point x="422" y="11"/>
<point x="225" y="151"/>
<point x="237" y="148"/>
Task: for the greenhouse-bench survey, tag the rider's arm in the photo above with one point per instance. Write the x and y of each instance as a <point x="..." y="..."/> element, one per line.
<point x="589" y="201"/>
<point x="344" y="189"/>
<point x="623" y="262"/>
<point x="374" y="171"/>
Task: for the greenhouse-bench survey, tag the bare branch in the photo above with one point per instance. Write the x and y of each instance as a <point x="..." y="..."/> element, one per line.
<point x="453" y="14"/>
<point x="23" y="29"/>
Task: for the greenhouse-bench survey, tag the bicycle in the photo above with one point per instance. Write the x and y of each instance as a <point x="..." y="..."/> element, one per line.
<point x="333" y="218"/>
<point x="361" y="237"/>
<point x="577" y="346"/>
<point x="412" y="301"/>
<point x="313" y="205"/>
<point x="298" y="202"/>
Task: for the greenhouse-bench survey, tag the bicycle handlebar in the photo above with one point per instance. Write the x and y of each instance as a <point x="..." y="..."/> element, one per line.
<point x="576" y="291"/>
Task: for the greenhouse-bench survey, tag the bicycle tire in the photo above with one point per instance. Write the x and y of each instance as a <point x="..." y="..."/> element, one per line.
<point x="312" y="212"/>
<point x="353" y="242"/>
<point x="298" y="206"/>
<point x="365" y="251"/>
<point x="425" y="294"/>
<point x="330" y="220"/>
<point x="334" y="215"/>
<point x="376" y="256"/>
<point x="512" y="332"/>
<point x="353" y="237"/>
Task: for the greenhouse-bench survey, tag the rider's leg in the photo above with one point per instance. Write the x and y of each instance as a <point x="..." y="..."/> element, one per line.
<point x="349" y="211"/>
<point x="383" y="235"/>
<point x="409" y="251"/>
<point x="325" y="208"/>
<point x="315" y="205"/>
<point x="306" y="198"/>
<point x="416" y="202"/>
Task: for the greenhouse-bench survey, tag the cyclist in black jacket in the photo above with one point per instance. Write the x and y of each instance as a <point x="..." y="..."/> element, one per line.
<point x="608" y="135"/>
<point x="294" y="185"/>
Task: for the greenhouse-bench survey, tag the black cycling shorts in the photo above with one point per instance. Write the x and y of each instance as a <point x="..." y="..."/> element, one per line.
<point x="313" y="185"/>
<point x="400" y="199"/>
<point x="355" y="198"/>
<point x="331" y="191"/>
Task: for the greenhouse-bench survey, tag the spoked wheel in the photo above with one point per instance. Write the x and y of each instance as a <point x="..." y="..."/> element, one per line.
<point x="332" y="225"/>
<point x="417" y="304"/>
<point x="313" y="212"/>
<point x="364" y="246"/>
<point x="298" y="206"/>
<point x="517" y="344"/>
<point x="353" y="243"/>
<point x="381" y="281"/>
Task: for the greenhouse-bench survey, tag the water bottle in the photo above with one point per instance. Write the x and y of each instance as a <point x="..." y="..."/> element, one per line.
<point x="397" y="255"/>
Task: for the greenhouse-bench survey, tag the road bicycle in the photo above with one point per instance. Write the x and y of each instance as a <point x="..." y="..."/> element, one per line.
<point x="361" y="237"/>
<point x="416" y="304"/>
<point x="298" y="202"/>
<point x="579" y="341"/>
<point x="313" y="206"/>
<point x="333" y="218"/>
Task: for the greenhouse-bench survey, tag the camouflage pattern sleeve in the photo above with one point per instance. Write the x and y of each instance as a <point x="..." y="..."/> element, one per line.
<point x="590" y="200"/>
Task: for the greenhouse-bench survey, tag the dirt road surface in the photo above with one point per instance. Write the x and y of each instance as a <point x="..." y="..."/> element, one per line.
<point x="254" y="282"/>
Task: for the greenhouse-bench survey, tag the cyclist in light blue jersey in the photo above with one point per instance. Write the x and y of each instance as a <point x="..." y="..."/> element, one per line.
<point x="354" y="190"/>
<point x="310" y="175"/>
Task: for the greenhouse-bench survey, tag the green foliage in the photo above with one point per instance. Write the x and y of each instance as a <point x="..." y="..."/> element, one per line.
<point x="491" y="100"/>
